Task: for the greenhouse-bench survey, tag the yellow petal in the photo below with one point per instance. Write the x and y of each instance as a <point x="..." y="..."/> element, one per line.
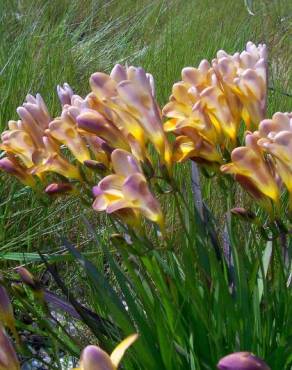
<point x="119" y="351"/>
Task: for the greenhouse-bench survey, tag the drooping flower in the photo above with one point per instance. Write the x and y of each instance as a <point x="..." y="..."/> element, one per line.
<point x="242" y="361"/>
<point x="8" y="357"/>
<point x="126" y="192"/>
<point x="94" y="358"/>
<point x="252" y="170"/>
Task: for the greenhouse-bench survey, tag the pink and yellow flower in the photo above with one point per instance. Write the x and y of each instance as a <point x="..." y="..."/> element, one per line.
<point x="276" y="139"/>
<point x="253" y="171"/>
<point x="94" y="358"/>
<point x="126" y="192"/>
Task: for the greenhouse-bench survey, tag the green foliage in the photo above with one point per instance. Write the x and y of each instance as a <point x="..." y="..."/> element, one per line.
<point x="189" y="305"/>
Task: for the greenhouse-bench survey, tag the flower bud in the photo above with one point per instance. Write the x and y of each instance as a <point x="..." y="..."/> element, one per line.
<point x="94" y="358"/>
<point x="8" y="358"/>
<point x="245" y="214"/>
<point x="65" y="94"/>
<point x="29" y="280"/>
<point x="242" y="361"/>
<point x="55" y="189"/>
<point x="6" y="310"/>
<point x="94" y="165"/>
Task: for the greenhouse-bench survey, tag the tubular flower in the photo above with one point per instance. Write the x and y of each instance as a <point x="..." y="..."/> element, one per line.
<point x="94" y="358"/>
<point x="65" y="130"/>
<point x="212" y="99"/>
<point x="126" y="192"/>
<point x="276" y="140"/>
<point x="49" y="159"/>
<point x="129" y="93"/>
<point x="242" y="361"/>
<point x="196" y="148"/>
<point x="12" y="167"/>
<point x="8" y="358"/>
<point x="252" y="170"/>
<point x="93" y="122"/>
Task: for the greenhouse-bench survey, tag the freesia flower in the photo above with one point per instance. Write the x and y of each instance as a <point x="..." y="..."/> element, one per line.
<point x="126" y="192"/>
<point x="252" y="170"/>
<point x="12" y="167"/>
<point x="276" y="139"/>
<point x="8" y="358"/>
<point x="65" y="130"/>
<point x="94" y="358"/>
<point x="242" y="361"/>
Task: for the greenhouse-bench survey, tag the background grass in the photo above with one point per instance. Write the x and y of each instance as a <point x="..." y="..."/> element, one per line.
<point x="44" y="43"/>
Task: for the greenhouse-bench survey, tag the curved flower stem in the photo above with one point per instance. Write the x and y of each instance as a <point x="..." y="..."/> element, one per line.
<point x="181" y="218"/>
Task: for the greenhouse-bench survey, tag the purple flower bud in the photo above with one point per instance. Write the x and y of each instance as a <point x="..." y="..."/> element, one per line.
<point x="243" y="213"/>
<point x="55" y="189"/>
<point x="65" y="94"/>
<point x="8" y="358"/>
<point x="27" y="278"/>
<point x="90" y="163"/>
<point x="6" y="311"/>
<point x="94" y="358"/>
<point x="242" y="361"/>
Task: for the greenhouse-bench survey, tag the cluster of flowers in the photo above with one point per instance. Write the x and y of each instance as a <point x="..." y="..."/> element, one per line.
<point x="265" y="162"/>
<point x="109" y="131"/>
<point x="93" y="357"/>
